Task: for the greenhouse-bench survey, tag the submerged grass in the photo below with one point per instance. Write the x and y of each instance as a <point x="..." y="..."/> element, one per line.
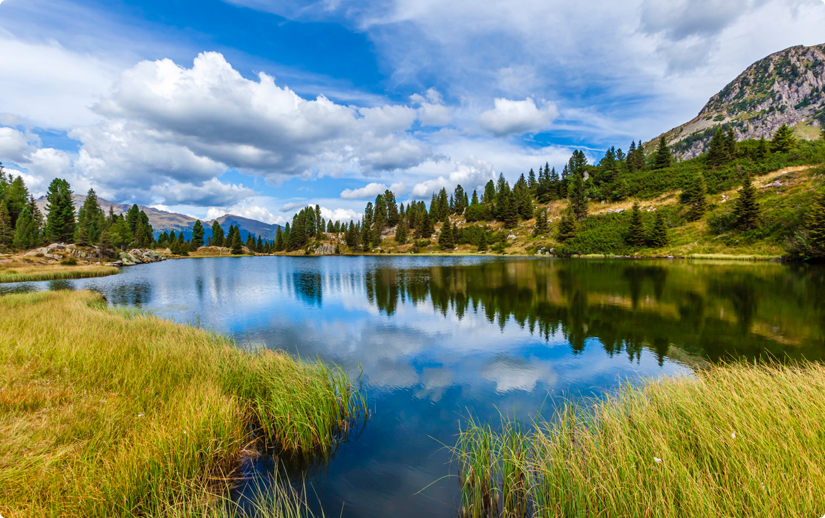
<point x="54" y="273"/>
<point x="736" y="440"/>
<point x="107" y="413"/>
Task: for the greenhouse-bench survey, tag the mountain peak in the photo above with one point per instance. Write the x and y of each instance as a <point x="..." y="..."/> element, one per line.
<point x="787" y="87"/>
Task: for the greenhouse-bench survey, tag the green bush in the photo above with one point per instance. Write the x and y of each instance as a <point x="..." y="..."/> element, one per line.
<point x="70" y="261"/>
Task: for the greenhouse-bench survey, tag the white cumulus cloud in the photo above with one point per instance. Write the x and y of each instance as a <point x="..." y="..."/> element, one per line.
<point x="517" y="117"/>
<point x="470" y="174"/>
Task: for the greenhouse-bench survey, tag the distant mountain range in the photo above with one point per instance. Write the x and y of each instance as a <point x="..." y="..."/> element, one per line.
<point x="787" y="87"/>
<point x="162" y="220"/>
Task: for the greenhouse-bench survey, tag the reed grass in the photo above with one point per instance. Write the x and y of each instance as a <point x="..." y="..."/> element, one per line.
<point x="107" y="413"/>
<point x="735" y="441"/>
<point x="54" y="273"/>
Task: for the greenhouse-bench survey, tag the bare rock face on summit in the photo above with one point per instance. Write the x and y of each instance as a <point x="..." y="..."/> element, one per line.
<point x="787" y="87"/>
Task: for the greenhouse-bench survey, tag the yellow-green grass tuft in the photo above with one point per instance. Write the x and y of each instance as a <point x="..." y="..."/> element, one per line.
<point x="735" y="441"/>
<point x="105" y="413"/>
<point x="54" y="273"/>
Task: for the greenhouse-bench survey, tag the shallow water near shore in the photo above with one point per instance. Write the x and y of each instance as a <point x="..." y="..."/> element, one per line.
<point x="442" y="338"/>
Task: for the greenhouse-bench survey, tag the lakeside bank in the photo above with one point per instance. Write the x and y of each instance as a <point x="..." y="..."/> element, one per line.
<point x="110" y="413"/>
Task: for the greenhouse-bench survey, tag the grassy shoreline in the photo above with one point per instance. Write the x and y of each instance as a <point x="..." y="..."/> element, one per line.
<point x="108" y="413"/>
<point x="736" y="440"/>
<point x="34" y="273"/>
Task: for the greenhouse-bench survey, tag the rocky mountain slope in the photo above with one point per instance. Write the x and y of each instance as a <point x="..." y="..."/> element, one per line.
<point x="787" y="87"/>
<point x="162" y="220"/>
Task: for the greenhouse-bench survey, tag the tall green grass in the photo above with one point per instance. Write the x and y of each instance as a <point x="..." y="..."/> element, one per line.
<point x="55" y="273"/>
<point x="105" y="413"/>
<point x="735" y="441"/>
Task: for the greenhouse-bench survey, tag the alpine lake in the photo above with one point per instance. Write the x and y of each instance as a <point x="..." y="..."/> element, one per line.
<point x="438" y="340"/>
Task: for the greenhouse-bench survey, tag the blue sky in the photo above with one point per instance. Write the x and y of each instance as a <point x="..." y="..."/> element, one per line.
<point x="257" y="107"/>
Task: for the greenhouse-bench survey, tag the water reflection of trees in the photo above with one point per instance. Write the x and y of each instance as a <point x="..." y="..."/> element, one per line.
<point x="716" y="312"/>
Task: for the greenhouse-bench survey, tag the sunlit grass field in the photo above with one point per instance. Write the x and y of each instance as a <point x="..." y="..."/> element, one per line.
<point x="735" y="441"/>
<point x="32" y="273"/>
<point x="105" y="413"/>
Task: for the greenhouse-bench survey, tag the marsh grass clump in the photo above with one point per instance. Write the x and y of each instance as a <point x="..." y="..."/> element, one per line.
<point x="735" y="440"/>
<point x="111" y="413"/>
<point x="54" y="273"/>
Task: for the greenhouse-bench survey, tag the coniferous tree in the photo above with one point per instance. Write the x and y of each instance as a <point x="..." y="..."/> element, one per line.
<point x="6" y="230"/>
<point x="236" y="244"/>
<point x="762" y="151"/>
<point x="482" y="241"/>
<point x="27" y="233"/>
<point x="17" y="197"/>
<point x="509" y="209"/>
<point x="658" y="235"/>
<point x="730" y="145"/>
<point x="663" y="157"/>
<point x="815" y="222"/>
<point x="445" y="239"/>
<point x="695" y="198"/>
<point x="393" y="216"/>
<point x="132" y="217"/>
<point x="259" y="246"/>
<point x="401" y="232"/>
<point x="217" y="234"/>
<point x="783" y="140"/>
<point x="716" y="153"/>
<point x="567" y="226"/>
<point x="197" y="235"/>
<point x="636" y="231"/>
<point x="746" y="210"/>
<point x="532" y="183"/>
<point x="60" y="221"/>
<point x="541" y="223"/>
<point x="90" y="220"/>
<point x="578" y="197"/>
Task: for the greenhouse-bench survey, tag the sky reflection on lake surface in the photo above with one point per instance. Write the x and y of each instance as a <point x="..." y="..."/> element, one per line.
<point x="441" y="338"/>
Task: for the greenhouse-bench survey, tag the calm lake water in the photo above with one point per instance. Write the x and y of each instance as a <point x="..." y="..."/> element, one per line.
<point x="443" y="338"/>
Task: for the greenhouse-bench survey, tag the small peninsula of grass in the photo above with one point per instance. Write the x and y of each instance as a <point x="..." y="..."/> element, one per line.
<point x="107" y="413"/>
<point x="737" y="440"/>
<point x="51" y="272"/>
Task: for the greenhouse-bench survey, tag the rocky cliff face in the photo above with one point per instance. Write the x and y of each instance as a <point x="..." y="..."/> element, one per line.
<point x="784" y="88"/>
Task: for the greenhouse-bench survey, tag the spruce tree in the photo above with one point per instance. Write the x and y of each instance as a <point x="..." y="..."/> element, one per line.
<point x="541" y="223"/>
<point x="730" y="145"/>
<point x="445" y="239"/>
<point x="567" y="226"/>
<point x="663" y="157"/>
<point x="783" y="140"/>
<point x="716" y="153"/>
<point x="815" y="222"/>
<point x="696" y="198"/>
<point x="762" y="151"/>
<point x="402" y="232"/>
<point x="217" y="234"/>
<point x="26" y="234"/>
<point x="6" y="230"/>
<point x="89" y="220"/>
<point x="17" y="197"/>
<point x="482" y="241"/>
<point x="578" y="197"/>
<point x="197" y="235"/>
<point x="236" y="244"/>
<point x="746" y="210"/>
<point x="636" y="230"/>
<point x="658" y="235"/>
<point x="60" y="221"/>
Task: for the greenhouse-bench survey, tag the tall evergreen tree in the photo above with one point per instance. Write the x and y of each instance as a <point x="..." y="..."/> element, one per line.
<point x="402" y="232"/>
<point x="746" y="210"/>
<point x="90" y="220"/>
<point x="509" y="209"/>
<point x="197" y="234"/>
<point x="695" y="197"/>
<point x="730" y="145"/>
<point x="236" y="244"/>
<point x="783" y="140"/>
<point x="482" y="241"/>
<point x="17" y="197"/>
<point x="658" y="235"/>
<point x="636" y="230"/>
<point x="132" y="217"/>
<point x="717" y="154"/>
<point x="541" y="223"/>
<point x="445" y="239"/>
<point x="578" y="197"/>
<point x="663" y="157"/>
<point x="27" y="233"/>
<point x="60" y="221"/>
<point x="6" y="230"/>
<point x="567" y="226"/>
<point x="217" y="234"/>
<point x="815" y="222"/>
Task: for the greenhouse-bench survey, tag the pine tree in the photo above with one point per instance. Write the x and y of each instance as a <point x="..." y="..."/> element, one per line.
<point x="482" y="241"/>
<point x="445" y="239"/>
<point x="663" y="157"/>
<point x="716" y="152"/>
<point x="567" y="226"/>
<point x="6" y="230"/>
<point x="236" y="244"/>
<point x="763" y="150"/>
<point x="578" y="197"/>
<point x="636" y="231"/>
<point x="197" y="234"/>
<point x="60" y="221"/>
<point x="695" y="197"/>
<point x="541" y="223"/>
<point x="746" y="210"/>
<point x="132" y="216"/>
<point x="730" y="145"/>
<point x="401" y="232"/>
<point x="17" y="197"/>
<point x="509" y="209"/>
<point x="89" y="220"/>
<point x="26" y="234"/>
<point x="658" y="235"/>
<point x="783" y="140"/>
<point x="815" y="222"/>
<point x="217" y="234"/>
